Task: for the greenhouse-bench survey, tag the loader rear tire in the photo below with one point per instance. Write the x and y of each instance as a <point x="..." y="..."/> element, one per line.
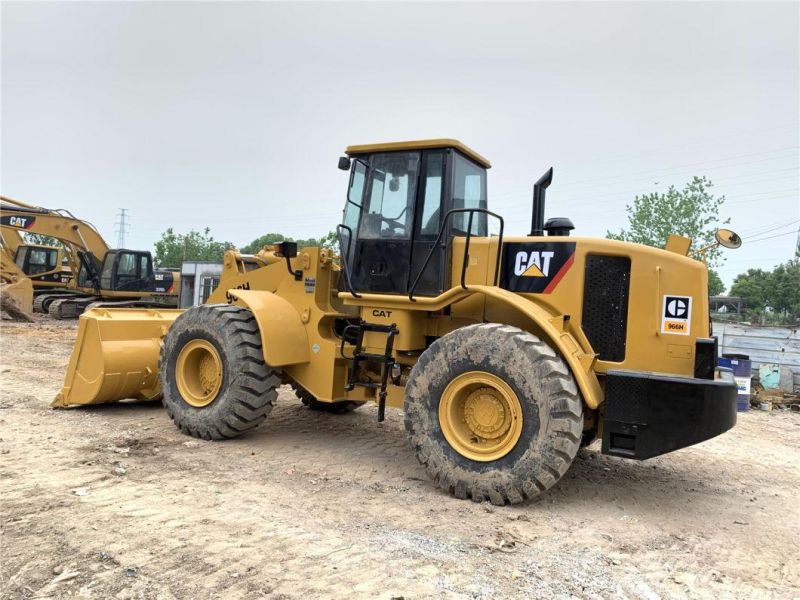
<point x="336" y="408"/>
<point x="215" y="382"/>
<point x="493" y="413"/>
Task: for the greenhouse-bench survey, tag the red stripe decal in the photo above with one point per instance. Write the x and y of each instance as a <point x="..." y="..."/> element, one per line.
<point x="561" y="272"/>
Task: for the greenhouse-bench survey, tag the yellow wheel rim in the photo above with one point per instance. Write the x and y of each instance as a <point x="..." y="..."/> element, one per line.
<point x="480" y="416"/>
<point x="198" y="373"/>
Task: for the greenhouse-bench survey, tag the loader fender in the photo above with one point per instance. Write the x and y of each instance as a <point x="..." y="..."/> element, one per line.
<point x="284" y="340"/>
<point x="568" y="341"/>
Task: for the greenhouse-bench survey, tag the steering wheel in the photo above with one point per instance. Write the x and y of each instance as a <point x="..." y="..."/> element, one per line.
<point x="394" y="224"/>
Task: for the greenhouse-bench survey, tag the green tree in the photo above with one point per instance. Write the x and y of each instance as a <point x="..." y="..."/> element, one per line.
<point x="327" y="241"/>
<point x="691" y="212"/>
<point x="330" y="241"/>
<point x="41" y="240"/>
<point x="715" y="285"/>
<point x="258" y="243"/>
<point x="784" y="289"/>
<point x="753" y="287"/>
<point x="174" y="248"/>
<point x="775" y="293"/>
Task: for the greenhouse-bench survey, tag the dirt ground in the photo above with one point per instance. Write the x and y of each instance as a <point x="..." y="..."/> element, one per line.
<point x="114" y="502"/>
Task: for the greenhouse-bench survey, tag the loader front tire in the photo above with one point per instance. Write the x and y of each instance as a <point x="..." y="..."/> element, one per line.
<point x="215" y="382"/>
<point x="493" y="413"/>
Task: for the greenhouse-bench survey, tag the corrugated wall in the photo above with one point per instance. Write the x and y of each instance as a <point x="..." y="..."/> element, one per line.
<point x="765" y="346"/>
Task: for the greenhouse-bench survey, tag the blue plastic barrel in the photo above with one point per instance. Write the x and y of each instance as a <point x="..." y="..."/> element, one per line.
<point x="742" y="366"/>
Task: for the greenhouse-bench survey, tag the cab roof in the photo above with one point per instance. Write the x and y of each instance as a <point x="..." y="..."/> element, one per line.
<point x="419" y="145"/>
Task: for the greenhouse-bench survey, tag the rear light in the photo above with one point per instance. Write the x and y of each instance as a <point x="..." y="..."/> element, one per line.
<point x="705" y="358"/>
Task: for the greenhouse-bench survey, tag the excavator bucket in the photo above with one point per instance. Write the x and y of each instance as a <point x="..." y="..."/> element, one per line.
<point x="116" y="356"/>
<point x="17" y="297"/>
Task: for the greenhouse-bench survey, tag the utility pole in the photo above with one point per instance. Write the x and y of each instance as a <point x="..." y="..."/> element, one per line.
<point x="122" y="227"/>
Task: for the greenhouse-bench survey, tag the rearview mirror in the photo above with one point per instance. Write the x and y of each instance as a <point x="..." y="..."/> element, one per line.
<point x="727" y="238"/>
<point x="344" y="163"/>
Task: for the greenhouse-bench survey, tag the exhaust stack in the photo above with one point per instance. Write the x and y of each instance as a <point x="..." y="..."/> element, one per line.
<point x="537" y="219"/>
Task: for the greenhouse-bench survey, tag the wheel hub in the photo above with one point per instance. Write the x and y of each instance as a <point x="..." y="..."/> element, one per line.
<point x="198" y="373"/>
<point x="480" y="416"/>
<point x="484" y="414"/>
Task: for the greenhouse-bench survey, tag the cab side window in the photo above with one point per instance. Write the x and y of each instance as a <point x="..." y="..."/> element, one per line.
<point x="355" y="196"/>
<point x="469" y="191"/>
<point x="431" y="218"/>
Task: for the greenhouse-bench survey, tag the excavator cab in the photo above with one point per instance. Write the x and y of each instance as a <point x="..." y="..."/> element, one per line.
<point x="404" y="202"/>
<point x="38" y="260"/>
<point x="127" y="271"/>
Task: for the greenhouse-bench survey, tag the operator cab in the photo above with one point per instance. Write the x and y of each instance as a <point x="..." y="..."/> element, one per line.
<point x="398" y="196"/>
<point x="37" y="260"/>
<point x="127" y="271"/>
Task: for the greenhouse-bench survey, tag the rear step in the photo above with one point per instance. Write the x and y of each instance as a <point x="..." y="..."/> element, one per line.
<point x="358" y="357"/>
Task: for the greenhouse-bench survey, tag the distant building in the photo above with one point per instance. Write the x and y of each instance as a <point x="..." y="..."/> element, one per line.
<point x="198" y="280"/>
<point x="729" y="305"/>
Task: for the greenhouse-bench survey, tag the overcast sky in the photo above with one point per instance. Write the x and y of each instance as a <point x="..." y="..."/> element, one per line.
<point x="232" y="115"/>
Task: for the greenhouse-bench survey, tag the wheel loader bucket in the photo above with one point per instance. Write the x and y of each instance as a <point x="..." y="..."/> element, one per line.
<point x="116" y="356"/>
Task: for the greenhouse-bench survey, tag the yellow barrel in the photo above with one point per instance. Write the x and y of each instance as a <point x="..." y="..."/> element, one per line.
<point x="116" y="356"/>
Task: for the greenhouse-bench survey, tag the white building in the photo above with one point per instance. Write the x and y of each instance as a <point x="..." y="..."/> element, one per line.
<point x="198" y="280"/>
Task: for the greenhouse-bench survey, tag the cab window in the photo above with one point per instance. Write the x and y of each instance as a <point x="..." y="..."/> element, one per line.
<point x="108" y="268"/>
<point x="469" y="191"/>
<point x="431" y="218"/>
<point x="391" y="193"/>
<point x="355" y="194"/>
<point x="127" y="265"/>
<point x="38" y="261"/>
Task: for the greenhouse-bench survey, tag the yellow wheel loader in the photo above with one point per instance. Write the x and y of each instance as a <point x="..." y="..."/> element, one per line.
<point x="505" y="353"/>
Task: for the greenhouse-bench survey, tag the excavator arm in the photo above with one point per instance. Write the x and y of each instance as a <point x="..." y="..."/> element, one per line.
<point x="86" y="247"/>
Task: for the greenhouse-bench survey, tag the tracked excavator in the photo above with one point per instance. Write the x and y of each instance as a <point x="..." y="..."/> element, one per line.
<point x="46" y="266"/>
<point x="105" y="277"/>
<point x="506" y="353"/>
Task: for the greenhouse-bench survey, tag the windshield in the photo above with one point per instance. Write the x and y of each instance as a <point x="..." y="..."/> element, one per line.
<point x="390" y="195"/>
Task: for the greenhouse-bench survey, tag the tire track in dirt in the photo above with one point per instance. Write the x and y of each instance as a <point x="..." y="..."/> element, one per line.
<point x="312" y="504"/>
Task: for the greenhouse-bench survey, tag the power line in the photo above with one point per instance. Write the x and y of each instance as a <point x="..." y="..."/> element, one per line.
<point x="123" y="227"/>
<point x="769" y="237"/>
<point x="680" y="170"/>
<point x="756" y="231"/>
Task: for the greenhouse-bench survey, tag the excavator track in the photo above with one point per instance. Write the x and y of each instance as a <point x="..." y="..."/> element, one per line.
<point x="69" y="308"/>
<point x="42" y="301"/>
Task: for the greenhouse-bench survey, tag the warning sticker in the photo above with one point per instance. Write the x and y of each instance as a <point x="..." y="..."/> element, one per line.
<point x="676" y="315"/>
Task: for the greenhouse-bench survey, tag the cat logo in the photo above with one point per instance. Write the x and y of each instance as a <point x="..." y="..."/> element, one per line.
<point x="533" y="264"/>
<point x="676" y="315"/>
<point x="535" y="267"/>
<point x="19" y="222"/>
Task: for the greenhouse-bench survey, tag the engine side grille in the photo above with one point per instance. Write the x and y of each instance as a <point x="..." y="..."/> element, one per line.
<point x="605" y="305"/>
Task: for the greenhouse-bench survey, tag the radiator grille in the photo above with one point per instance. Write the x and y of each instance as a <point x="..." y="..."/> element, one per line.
<point x="605" y="305"/>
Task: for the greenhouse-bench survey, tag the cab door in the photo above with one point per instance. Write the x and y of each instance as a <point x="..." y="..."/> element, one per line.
<point x="381" y="254"/>
<point x="431" y="209"/>
<point x="128" y="271"/>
